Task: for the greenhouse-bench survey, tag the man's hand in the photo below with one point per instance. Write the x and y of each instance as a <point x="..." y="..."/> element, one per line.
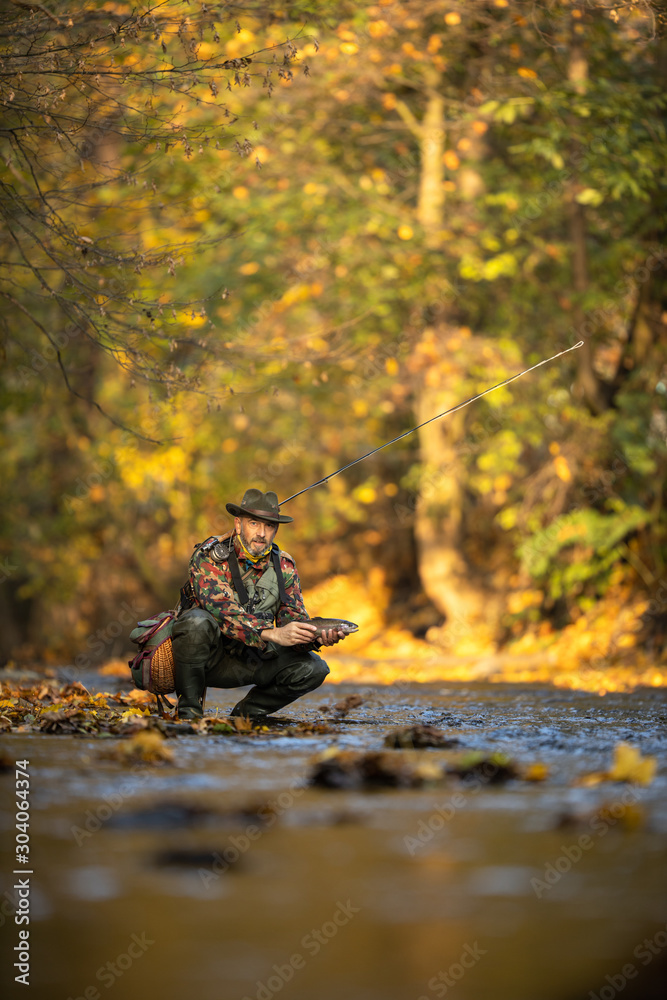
<point x="291" y="634"/>
<point x="331" y="637"/>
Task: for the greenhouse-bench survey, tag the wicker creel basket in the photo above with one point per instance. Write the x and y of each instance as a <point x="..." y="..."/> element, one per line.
<point x="162" y="669"/>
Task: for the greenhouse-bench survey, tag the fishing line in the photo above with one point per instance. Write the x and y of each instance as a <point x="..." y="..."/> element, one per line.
<point x="453" y="409"/>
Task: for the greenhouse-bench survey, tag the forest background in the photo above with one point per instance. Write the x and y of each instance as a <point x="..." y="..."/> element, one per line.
<point x="244" y="244"/>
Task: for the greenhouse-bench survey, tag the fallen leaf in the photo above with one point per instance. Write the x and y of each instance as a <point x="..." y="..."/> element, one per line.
<point x="629" y="765"/>
<point x="147" y="747"/>
<point x="536" y="772"/>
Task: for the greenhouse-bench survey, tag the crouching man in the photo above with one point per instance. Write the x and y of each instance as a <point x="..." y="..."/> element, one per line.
<point x="242" y="619"/>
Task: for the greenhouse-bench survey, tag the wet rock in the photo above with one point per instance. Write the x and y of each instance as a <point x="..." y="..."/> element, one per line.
<point x="168" y="815"/>
<point x="420" y="737"/>
<point x="451" y="721"/>
<point x="211" y="861"/>
<point x="310" y="729"/>
<point x="348" y="769"/>
<point x="620" y="815"/>
<point x="490" y="769"/>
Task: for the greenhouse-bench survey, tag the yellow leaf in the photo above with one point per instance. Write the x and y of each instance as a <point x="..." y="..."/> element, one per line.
<point x="451" y="160"/>
<point x="452" y="18"/>
<point x="242" y="724"/>
<point x="378" y="29"/>
<point x="405" y="233"/>
<point x="148" y="747"/>
<point x="562" y="469"/>
<point x="252" y="267"/>
<point x="129" y="713"/>
<point x="629" y="765"/>
<point x="528" y="74"/>
<point x="366" y="494"/>
<point x="536" y="772"/>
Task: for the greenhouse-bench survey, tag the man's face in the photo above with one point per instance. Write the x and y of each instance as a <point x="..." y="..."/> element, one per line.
<point x="256" y="535"/>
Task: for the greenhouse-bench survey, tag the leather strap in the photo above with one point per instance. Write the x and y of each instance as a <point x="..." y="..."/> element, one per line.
<point x="239" y="585"/>
<point x="275" y="555"/>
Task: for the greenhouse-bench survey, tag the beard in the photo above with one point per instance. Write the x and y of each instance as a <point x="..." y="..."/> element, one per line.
<point x="251" y="546"/>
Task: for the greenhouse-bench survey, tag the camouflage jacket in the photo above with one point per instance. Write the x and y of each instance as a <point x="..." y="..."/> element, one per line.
<point x="213" y="589"/>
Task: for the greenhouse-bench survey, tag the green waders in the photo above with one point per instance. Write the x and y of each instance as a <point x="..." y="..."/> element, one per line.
<point x="203" y="658"/>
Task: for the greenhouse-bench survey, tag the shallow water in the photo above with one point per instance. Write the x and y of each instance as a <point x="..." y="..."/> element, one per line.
<point x="469" y="892"/>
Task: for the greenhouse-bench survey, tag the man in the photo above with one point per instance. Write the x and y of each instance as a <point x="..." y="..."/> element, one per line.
<point x="242" y="618"/>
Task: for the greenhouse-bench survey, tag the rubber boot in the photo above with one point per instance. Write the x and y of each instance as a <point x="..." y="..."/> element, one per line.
<point x="191" y="690"/>
<point x="191" y="647"/>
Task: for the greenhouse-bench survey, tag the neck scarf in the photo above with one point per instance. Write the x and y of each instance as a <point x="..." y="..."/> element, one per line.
<point x="249" y="556"/>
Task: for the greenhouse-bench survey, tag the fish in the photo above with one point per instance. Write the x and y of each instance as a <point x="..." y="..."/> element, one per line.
<point x="324" y="624"/>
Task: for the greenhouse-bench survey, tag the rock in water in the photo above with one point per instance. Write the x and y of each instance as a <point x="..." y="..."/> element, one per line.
<point x="418" y="737"/>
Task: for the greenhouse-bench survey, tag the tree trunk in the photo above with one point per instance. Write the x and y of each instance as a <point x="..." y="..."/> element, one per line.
<point x="467" y="604"/>
<point x="588" y="385"/>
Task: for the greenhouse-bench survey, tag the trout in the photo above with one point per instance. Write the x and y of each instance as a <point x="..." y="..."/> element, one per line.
<point x="324" y="624"/>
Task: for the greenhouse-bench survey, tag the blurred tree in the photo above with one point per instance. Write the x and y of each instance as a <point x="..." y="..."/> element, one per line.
<point x="407" y="231"/>
<point x="92" y="99"/>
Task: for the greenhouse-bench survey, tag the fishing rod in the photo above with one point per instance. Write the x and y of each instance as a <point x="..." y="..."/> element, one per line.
<point x="452" y="409"/>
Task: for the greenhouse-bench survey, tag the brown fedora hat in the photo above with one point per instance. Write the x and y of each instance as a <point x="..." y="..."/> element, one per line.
<point x="261" y="505"/>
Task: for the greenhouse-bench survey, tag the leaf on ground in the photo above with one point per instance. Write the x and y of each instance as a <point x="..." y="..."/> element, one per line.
<point x="537" y="771"/>
<point x="130" y="712"/>
<point x="134" y="697"/>
<point x="147" y="747"/>
<point x="628" y="765"/>
<point x="344" y="706"/>
<point x="242" y="724"/>
<point x="67" y="721"/>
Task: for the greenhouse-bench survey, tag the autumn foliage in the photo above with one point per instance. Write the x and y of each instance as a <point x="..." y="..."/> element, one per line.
<point x="243" y="247"/>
